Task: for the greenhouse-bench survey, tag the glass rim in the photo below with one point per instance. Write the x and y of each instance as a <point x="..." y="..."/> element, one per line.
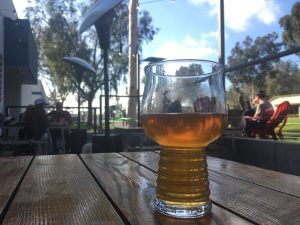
<point x="165" y="61"/>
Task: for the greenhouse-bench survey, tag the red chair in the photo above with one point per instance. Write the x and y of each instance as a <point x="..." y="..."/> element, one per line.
<point x="279" y="116"/>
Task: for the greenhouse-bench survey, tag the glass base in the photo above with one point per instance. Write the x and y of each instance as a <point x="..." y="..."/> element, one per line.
<point x="178" y="212"/>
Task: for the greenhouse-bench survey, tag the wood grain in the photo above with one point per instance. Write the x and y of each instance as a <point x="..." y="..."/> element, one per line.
<point x="282" y="182"/>
<point x="11" y="171"/>
<point x="132" y="188"/>
<point x="242" y="195"/>
<point x="59" y="189"/>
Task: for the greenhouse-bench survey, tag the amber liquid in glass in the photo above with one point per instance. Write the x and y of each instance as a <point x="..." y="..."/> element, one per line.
<point x="182" y="177"/>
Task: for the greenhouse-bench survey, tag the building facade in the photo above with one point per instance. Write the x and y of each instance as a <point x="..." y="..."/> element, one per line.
<point x="18" y="61"/>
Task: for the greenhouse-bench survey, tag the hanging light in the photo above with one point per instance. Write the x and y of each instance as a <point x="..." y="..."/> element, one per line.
<point x="173" y="1"/>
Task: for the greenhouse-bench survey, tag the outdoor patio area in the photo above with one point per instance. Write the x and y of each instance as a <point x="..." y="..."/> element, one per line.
<point x="149" y="112"/>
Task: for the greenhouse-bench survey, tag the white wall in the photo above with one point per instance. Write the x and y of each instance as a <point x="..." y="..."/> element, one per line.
<point x="30" y="92"/>
<point x="293" y="99"/>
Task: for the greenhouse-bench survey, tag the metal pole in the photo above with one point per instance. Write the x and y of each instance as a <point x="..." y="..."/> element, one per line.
<point x="95" y="120"/>
<point x="221" y="37"/>
<point x="100" y="117"/>
<point x="78" y="109"/>
<point x="138" y="86"/>
<point x="106" y="92"/>
<point x="103" y="27"/>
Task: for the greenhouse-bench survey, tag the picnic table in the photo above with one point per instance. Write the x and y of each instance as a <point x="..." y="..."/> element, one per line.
<point x="119" y="188"/>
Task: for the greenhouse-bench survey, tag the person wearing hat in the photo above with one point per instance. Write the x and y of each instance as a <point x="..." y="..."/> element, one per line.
<point x="36" y="122"/>
<point x="40" y="101"/>
<point x="264" y="111"/>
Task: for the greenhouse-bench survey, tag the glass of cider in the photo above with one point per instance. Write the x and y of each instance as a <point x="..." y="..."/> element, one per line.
<point x="183" y="110"/>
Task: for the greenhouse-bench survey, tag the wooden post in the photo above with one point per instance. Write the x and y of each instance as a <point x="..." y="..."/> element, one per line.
<point x="132" y="67"/>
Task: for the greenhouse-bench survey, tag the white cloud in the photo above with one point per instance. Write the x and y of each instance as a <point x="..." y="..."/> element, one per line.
<point x="239" y="13"/>
<point x="190" y="48"/>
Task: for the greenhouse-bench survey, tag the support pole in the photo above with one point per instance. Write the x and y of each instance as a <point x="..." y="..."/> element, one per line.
<point x="100" y="117"/>
<point x="222" y="37"/>
<point x="78" y="106"/>
<point x="103" y="27"/>
<point x="106" y="92"/>
<point x="138" y="92"/>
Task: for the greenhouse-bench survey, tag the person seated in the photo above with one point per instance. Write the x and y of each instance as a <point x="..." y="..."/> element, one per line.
<point x="248" y="110"/>
<point x="197" y="105"/>
<point x="36" y="123"/>
<point x="59" y="117"/>
<point x="264" y="111"/>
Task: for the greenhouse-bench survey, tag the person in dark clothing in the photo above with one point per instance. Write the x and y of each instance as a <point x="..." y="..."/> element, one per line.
<point x="61" y="118"/>
<point x="35" y="121"/>
<point x="248" y="110"/>
<point x="36" y="124"/>
<point x="197" y="105"/>
<point x="175" y="106"/>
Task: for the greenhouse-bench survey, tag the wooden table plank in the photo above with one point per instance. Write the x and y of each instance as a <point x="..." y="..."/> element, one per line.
<point x="12" y="169"/>
<point x="58" y="189"/>
<point x="132" y="188"/>
<point x="260" y="204"/>
<point x="272" y="179"/>
<point x="282" y="182"/>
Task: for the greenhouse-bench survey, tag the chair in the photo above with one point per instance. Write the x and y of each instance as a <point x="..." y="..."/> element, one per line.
<point x="278" y="117"/>
<point x="278" y="132"/>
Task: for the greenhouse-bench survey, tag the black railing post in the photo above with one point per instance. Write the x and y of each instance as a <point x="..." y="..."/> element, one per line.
<point x="95" y="120"/>
<point x="100" y="117"/>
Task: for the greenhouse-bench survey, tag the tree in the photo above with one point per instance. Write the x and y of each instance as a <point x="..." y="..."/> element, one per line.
<point x="284" y="80"/>
<point x="291" y="26"/>
<point x="55" y="26"/>
<point x="253" y="76"/>
<point x="232" y="99"/>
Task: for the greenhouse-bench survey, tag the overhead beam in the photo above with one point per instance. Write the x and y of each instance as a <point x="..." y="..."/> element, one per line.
<point x="264" y="59"/>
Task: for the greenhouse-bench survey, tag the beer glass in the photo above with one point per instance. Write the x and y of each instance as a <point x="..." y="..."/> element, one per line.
<point x="183" y="110"/>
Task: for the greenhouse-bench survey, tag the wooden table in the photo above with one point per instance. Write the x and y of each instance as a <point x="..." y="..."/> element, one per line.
<point x="119" y="188"/>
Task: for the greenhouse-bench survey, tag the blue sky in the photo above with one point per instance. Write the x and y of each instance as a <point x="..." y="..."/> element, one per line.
<point x="189" y="28"/>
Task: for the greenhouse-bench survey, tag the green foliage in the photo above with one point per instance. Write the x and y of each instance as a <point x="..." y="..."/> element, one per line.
<point x="291" y="26"/>
<point x="232" y="99"/>
<point x="55" y="26"/>
<point x="276" y="77"/>
<point x="284" y="80"/>
<point x="248" y="51"/>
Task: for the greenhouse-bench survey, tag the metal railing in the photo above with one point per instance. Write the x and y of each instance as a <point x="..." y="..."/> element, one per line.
<point x="16" y="111"/>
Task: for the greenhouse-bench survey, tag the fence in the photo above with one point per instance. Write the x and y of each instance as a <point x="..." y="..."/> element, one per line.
<point x="16" y="111"/>
<point x="116" y="117"/>
<point x="118" y="111"/>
